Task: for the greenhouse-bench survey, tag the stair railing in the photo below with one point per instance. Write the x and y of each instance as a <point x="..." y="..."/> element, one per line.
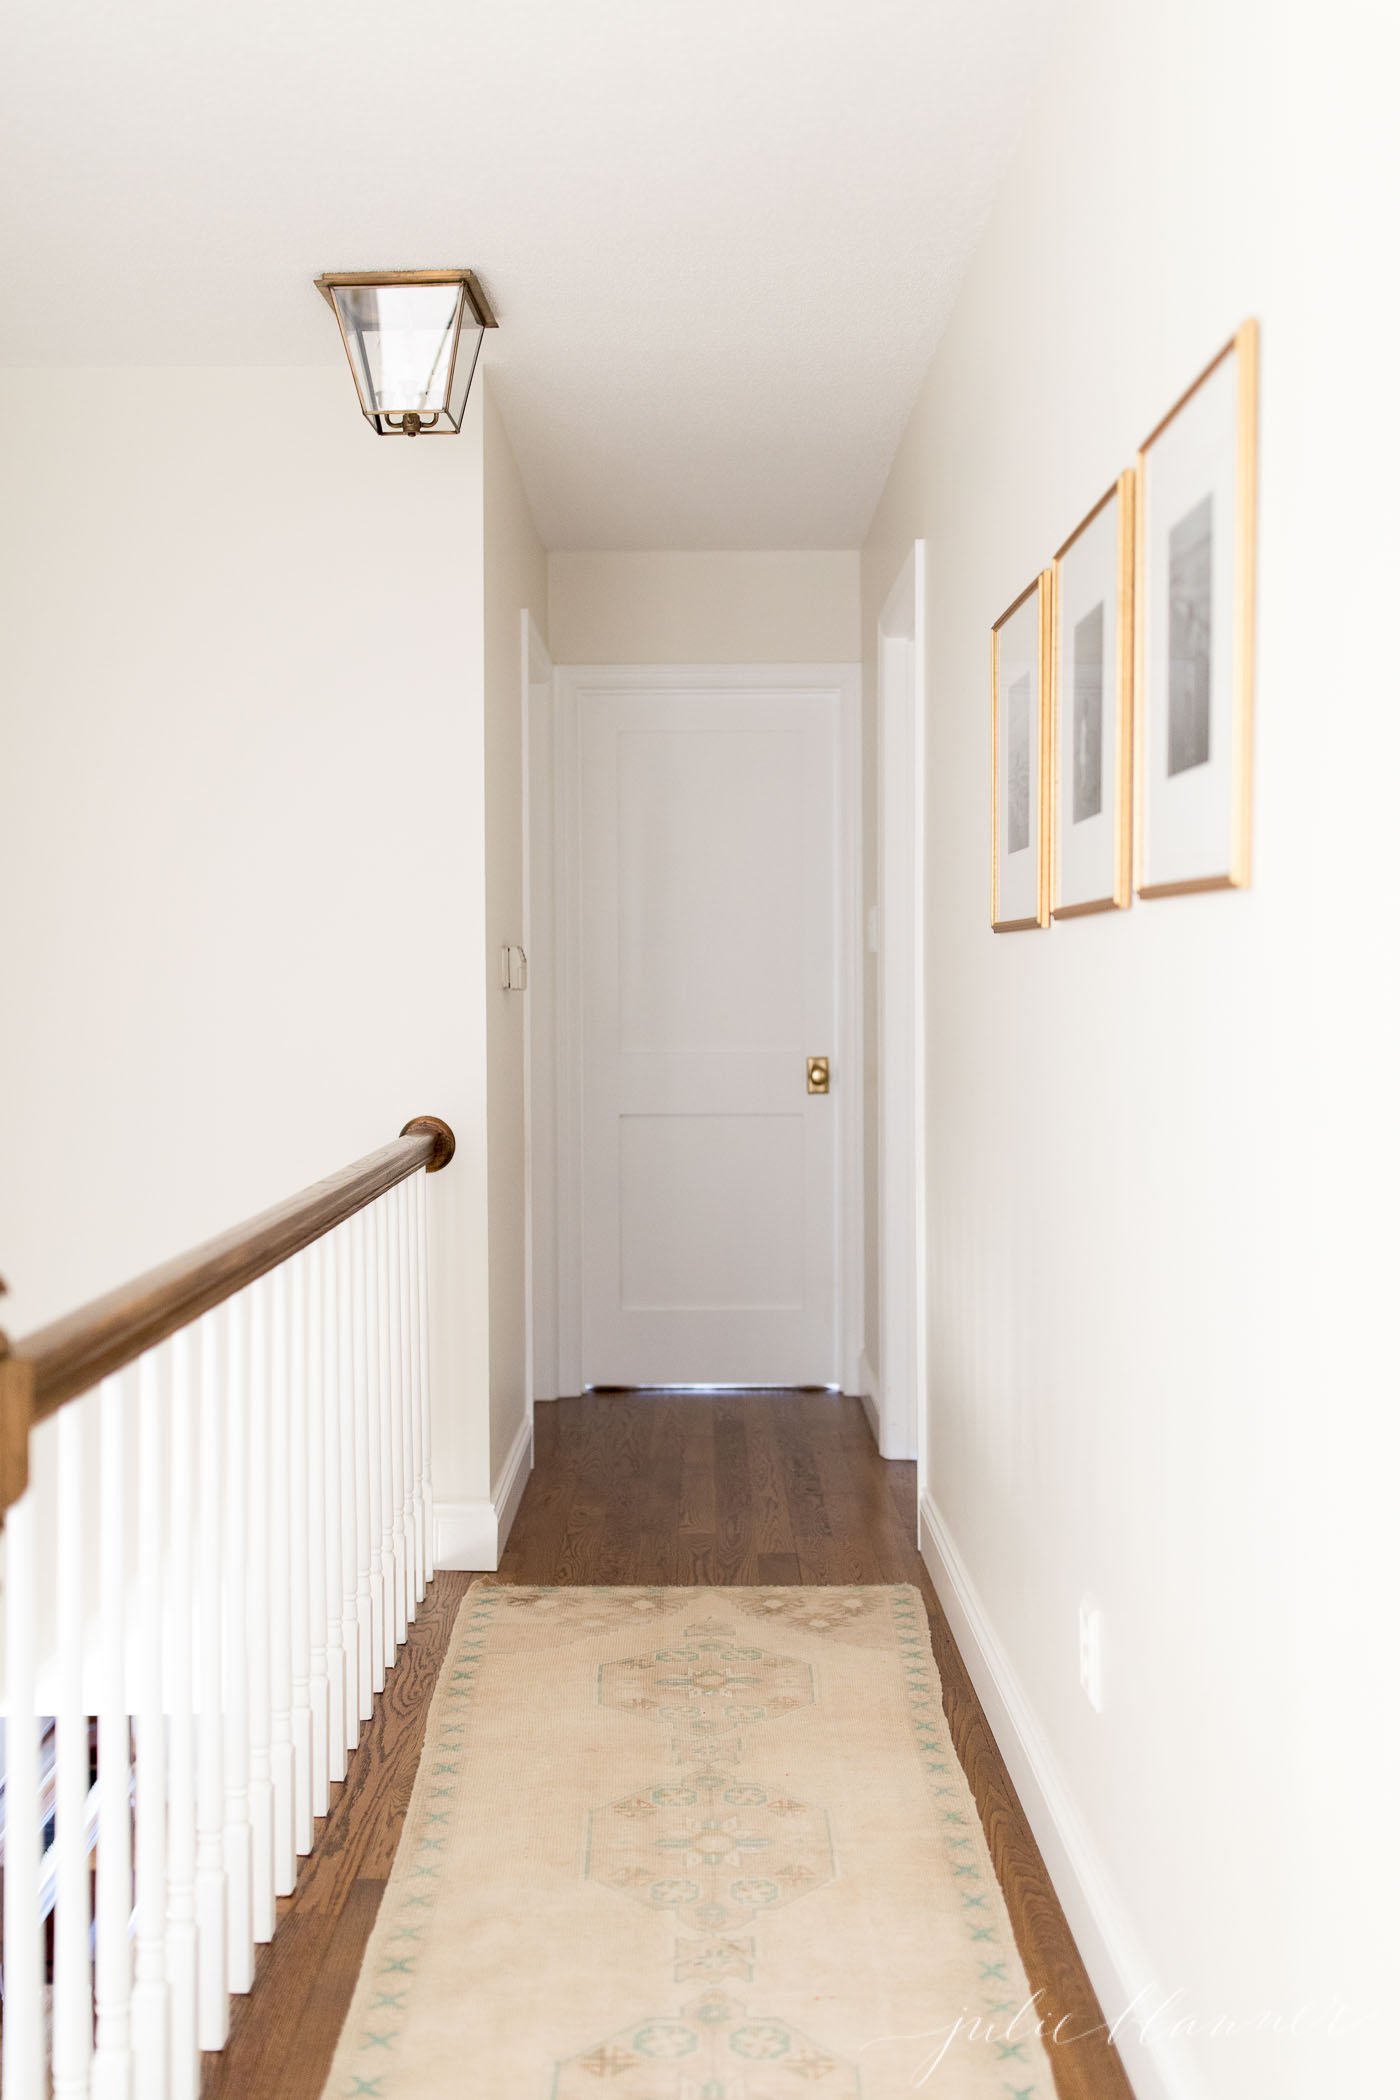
<point x="217" y="1508"/>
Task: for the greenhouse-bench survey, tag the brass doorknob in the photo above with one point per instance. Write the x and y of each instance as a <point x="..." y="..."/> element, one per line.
<point x="818" y="1075"/>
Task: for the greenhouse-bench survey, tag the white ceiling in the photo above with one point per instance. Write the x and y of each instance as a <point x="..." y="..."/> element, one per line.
<point x="722" y="236"/>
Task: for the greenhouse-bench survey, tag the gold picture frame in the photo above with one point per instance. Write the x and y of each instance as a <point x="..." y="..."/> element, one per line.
<point x="1234" y="815"/>
<point x="1031" y="797"/>
<point x="1119" y="894"/>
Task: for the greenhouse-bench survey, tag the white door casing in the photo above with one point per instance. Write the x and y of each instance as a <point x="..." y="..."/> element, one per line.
<point x="902" y="1226"/>
<point x="541" y="1034"/>
<point x="710" y="858"/>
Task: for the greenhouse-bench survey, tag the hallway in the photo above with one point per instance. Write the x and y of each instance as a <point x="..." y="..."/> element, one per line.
<point x="755" y="967"/>
<point x="640" y="1488"/>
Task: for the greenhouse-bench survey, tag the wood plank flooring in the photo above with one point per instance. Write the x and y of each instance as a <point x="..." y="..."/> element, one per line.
<point x="652" y="1488"/>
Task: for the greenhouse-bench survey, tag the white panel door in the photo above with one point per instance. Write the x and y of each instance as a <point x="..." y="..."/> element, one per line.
<point x="708" y="871"/>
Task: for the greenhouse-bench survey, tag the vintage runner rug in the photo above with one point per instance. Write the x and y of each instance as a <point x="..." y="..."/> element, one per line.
<point x="690" y="1844"/>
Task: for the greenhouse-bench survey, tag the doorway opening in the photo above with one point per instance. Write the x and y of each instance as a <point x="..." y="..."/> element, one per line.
<point x="706" y="1034"/>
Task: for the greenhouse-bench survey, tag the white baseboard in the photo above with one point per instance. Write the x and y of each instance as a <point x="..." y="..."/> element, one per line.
<point x="472" y="1535"/>
<point x="869" y="1388"/>
<point x="1156" y="2065"/>
<point x="872" y="1399"/>
<point x="513" y="1479"/>
<point x="465" y="1535"/>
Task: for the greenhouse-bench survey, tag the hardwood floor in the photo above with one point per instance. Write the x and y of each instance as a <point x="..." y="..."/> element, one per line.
<point x="283" y="2033"/>
<point x="653" y="1488"/>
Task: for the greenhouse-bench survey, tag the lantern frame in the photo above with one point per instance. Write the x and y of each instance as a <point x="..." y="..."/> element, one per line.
<point x="473" y="305"/>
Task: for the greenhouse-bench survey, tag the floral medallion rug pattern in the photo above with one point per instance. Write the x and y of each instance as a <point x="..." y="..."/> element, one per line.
<point x="698" y="1844"/>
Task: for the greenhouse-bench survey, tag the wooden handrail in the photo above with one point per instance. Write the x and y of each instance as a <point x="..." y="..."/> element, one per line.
<point x="56" y="1363"/>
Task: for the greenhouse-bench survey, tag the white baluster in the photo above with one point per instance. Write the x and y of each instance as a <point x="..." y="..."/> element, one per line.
<point x="381" y="1515"/>
<point x="299" y="1571"/>
<point x="259" y="1607"/>
<point x="393" y="1417"/>
<point x="354" y="1610"/>
<point x="25" y="2075"/>
<point x="386" y="1417"/>
<point x="314" y="1503"/>
<point x="425" y="1412"/>
<point x="149" y="1997"/>
<point x="181" y="1952"/>
<point x="415" y="1382"/>
<point x="210" y="1881"/>
<point x="72" y="1971"/>
<point x="404" y="1312"/>
<point x="284" y="1861"/>
<point x="238" y="1829"/>
<point x="333" y="1421"/>
<point x="366" y="1282"/>
<point x="111" y="2062"/>
<point x="383" y="1411"/>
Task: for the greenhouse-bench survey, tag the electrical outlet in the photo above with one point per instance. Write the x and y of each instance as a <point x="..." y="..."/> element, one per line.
<point x="1091" y="1652"/>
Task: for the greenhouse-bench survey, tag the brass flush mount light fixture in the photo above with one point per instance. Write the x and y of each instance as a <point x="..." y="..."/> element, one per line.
<point x="412" y="338"/>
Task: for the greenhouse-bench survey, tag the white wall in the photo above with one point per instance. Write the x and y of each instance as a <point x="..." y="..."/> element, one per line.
<point x="1163" y="1143"/>
<point x="765" y="608"/>
<point x="241" y="874"/>
<point x="515" y="580"/>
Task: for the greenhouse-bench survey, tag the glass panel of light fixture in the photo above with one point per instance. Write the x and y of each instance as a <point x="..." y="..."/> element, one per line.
<point x="400" y="339"/>
<point x="468" y="350"/>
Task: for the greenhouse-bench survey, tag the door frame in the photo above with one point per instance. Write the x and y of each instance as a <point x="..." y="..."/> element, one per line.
<point x="901" y="1177"/>
<point x="538" y="929"/>
<point x="573" y="685"/>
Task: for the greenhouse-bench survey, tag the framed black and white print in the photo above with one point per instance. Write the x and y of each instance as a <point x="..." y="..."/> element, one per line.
<point x="1092" y="709"/>
<point x="1195" y="615"/>
<point x="1021" y="762"/>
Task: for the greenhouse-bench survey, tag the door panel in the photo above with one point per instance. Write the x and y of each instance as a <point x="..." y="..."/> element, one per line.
<point x="708" y="876"/>
<point x="678" y="1174"/>
<point x="710" y="834"/>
